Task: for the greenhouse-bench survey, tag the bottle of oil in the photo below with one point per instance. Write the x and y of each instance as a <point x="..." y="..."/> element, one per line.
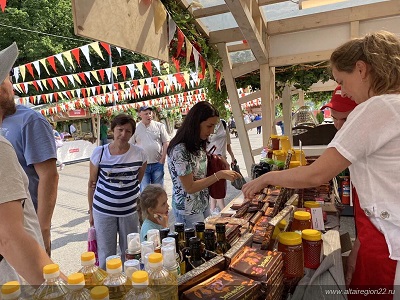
<point x="11" y="291"/>
<point x="53" y="287"/>
<point x="140" y="288"/>
<point x="99" y="293"/>
<point x="92" y="273"/>
<point x="180" y="229"/>
<point x="209" y="236"/>
<point x="117" y="282"/>
<point x="195" y="252"/>
<point x="189" y="233"/>
<point x="160" y="279"/>
<point x="222" y="243"/>
<point x="200" y="227"/>
<point x="76" y="285"/>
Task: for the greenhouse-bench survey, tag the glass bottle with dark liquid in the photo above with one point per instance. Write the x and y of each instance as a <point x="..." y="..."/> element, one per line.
<point x="209" y="237"/>
<point x="180" y="229"/>
<point x="195" y="252"/>
<point x="189" y="233"/>
<point x="200" y="227"/>
<point x="222" y="243"/>
<point x="164" y="233"/>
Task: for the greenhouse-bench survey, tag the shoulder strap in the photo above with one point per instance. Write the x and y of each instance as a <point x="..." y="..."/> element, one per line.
<point x="223" y="123"/>
<point x="101" y="156"/>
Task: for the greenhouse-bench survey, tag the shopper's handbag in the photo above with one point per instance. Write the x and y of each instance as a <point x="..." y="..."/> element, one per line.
<point x="216" y="163"/>
<point x="239" y="182"/>
<point x="92" y="243"/>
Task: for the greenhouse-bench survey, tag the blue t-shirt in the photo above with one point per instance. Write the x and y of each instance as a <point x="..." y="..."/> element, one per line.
<point x="146" y="226"/>
<point x="33" y="140"/>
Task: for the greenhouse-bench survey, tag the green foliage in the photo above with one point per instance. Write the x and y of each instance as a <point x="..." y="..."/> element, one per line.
<point x="217" y="97"/>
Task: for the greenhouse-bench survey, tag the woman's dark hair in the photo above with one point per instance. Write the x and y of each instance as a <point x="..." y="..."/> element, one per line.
<point x="189" y="132"/>
<point x="123" y="119"/>
<point x="148" y="199"/>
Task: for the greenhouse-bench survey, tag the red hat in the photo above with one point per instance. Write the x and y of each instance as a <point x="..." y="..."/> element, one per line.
<point x="339" y="103"/>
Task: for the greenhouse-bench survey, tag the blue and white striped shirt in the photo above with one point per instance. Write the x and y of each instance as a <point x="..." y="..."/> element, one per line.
<point x="117" y="188"/>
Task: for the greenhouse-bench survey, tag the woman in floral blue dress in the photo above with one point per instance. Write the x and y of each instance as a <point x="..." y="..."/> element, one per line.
<point x="187" y="164"/>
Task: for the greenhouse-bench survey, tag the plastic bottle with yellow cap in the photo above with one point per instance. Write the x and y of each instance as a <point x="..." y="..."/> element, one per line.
<point x="117" y="282"/>
<point x="53" y="287"/>
<point x="76" y="285"/>
<point x="99" y="293"/>
<point x="11" y="291"/>
<point x="140" y="288"/>
<point x="92" y="273"/>
<point x="162" y="281"/>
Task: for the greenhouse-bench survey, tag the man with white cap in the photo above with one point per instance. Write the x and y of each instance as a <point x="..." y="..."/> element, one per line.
<point x="151" y="136"/>
<point x="32" y="138"/>
<point x="21" y="242"/>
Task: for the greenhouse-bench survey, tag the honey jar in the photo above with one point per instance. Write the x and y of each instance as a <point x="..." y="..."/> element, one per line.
<point x="290" y="244"/>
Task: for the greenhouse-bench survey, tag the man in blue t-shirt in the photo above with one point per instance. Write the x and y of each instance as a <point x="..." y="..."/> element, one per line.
<point x="32" y="138"/>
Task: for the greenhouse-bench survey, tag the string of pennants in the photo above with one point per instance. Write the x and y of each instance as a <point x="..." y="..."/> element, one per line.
<point x="94" y="75"/>
<point x="132" y="89"/>
<point x="181" y="100"/>
<point x="3" y="4"/>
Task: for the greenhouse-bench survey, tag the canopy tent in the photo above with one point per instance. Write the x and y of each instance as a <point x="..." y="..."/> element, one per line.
<point x="276" y="33"/>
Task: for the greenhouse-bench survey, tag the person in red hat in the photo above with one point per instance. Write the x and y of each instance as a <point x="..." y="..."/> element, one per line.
<point x="340" y="107"/>
<point x="359" y="270"/>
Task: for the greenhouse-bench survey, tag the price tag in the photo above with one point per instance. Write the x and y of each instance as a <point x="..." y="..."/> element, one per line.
<point x="317" y="218"/>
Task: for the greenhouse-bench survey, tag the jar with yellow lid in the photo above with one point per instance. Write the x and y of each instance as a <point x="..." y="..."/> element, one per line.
<point x="301" y="221"/>
<point x="290" y="244"/>
<point x="312" y="247"/>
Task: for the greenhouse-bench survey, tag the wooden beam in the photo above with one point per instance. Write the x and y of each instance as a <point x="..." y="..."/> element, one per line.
<point x="244" y="68"/>
<point x="300" y="58"/>
<point x="238" y="47"/>
<point x="339" y="16"/>
<point x="243" y="16"/>
<point x="250" y="97"/>
<point x="223" y="8"/>
<point x="226" y="35"/>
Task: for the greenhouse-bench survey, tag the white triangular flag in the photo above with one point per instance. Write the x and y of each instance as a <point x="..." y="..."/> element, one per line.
<point x="85" y="51"/>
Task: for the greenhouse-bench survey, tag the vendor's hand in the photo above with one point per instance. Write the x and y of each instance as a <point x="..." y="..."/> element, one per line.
<point x="228" y="175"/>
<point x="351" y="262"/>
<point x="161" y="219"/>
<point x="253" y="187"/>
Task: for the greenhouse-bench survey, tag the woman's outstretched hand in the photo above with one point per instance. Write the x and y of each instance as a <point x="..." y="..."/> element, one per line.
<point x="228" y="175"/>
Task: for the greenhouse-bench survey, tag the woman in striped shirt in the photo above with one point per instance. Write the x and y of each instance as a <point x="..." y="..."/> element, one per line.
<point x="117" y="168"/>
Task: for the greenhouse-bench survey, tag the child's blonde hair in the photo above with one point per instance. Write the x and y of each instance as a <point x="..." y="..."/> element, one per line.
<point x="149" y="199"/>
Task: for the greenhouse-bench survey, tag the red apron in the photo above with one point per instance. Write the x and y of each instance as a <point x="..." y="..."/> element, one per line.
<point x="375" y="271"/>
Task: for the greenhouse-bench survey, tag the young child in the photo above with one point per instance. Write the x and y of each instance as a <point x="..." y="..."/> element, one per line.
<point x="153" y="209"/>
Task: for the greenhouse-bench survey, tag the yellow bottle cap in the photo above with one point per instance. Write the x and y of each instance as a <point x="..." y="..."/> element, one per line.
<point x="155" y="258"/>
<point x="99" y="292"/>
<point x="114" y="263"/>
<point x="87" y="256"/>
<point x="10" y="287"/>
<point x="51" y="269"/>
<point x="76" y="278"/>
<point x="282" y="224"/>
<point x="311" y="204"/>
<point x="289" y="238"/>
<point x="140" y="276"/>
<point x="302" y="215"/>
<point x="311" y="235"/>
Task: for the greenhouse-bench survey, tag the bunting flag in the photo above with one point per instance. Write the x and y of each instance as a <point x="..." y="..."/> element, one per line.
<point x="3" y="5"/>
<point x="75" y="53"/>
<point x="181" y="39"/>
<point x="85" y="51"/>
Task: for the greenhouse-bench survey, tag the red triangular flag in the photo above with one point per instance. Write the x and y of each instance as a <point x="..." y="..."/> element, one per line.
<point x="155" y="80"/>
<point x="176" y="63"/>
<point x="3" y="4"/>
<point x="69" y="94"/>
<point x="147" y="64"/>
<point x="65" y="79"/>
<point x="203" y="66"/>
<point x="75" y="53"/>
<point x="35" y="84"/>
<point x="52" y="63"/>
<point x="44" y="98"/>
<point x="218" y="79"/>
<point x="30" y="69"/>
<point x="31" y="99"/>
<point x="181" y="39"/>
<point x="107" y="47"/>
<point x="101" y="72"/>
<point x="98" y="91"/>
<point x="50" y="82"/>
<point x="55" y="95"/>
<point x="116" y="86"/>
<point x="123" y="71"/>
<point x="83" y="77"/>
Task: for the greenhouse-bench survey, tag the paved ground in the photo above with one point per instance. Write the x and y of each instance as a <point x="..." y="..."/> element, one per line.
<point x="70" y="220"/>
